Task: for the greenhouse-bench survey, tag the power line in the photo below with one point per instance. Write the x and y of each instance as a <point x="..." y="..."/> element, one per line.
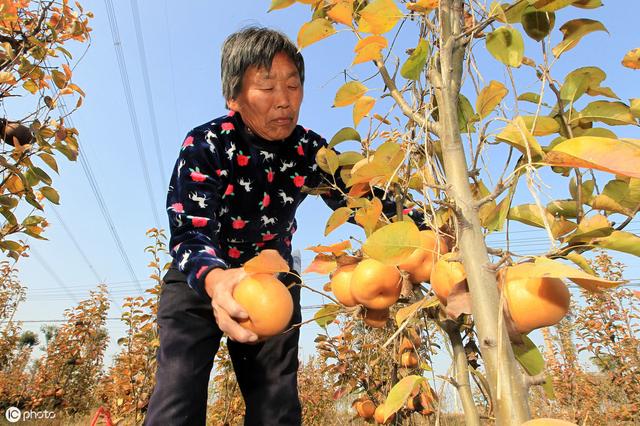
<point x="53" y="275"/>
<point x="147" y="87"/>
<point x="124" y="76"/>
<point x="75" y="243"/>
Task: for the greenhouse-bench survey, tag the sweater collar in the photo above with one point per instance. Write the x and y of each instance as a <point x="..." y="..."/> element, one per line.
<point x="263" y="144"/>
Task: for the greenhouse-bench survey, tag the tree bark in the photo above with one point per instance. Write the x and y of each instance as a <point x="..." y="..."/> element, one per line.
<point x="508" y="391"/>
<point x="461" y="365"/>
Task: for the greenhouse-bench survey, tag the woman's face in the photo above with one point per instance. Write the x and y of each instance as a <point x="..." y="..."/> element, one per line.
<point x="269" y="101"/>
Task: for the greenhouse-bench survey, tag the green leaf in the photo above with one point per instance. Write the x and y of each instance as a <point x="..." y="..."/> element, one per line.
<point x="326" y="315"/>
<point x="574" y="31"/>
<point x="591" y="227"/>
<point x="42" y="175"/>
<point x="578" y="81"/>
<point x="508" y="12"/>
<point x="580" y="260"/>
<point x="536" y="23"/>
<point x="534" y="98"/>
<point x="400" y="393"/>
<point x="490" y="97"/>
<point x="466" y="115"/>
<point x="611" y="113"/>
<point x="620" y="156"/>
<point x="393" y="243"/>
<point x="587" y="189"/>
<point x="345" y="134"/>
<point x="59" y="79"/>
<point x="11" y="245"/>
<point x="623" y="241"/>
<point x="414" y="65"/>
<point x="506" y="45"/>
<point x="11" y="218"/>
<point x="530" y="358"/>
<point x="619" y="196"/>
<point x="564" y="208"/>
<point x="349" y="158"/>
<point x="50" y="194"/>
<point x="32" y="220"/>
<point x="327" y="160"/>
<point x="30" y="86"/>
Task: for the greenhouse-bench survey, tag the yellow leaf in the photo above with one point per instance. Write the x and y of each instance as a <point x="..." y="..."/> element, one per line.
<point x="314" y="31"/>
<point x="574" y="31"/>
<point x="490" y="97"/>
<point x="362" y="108"/>
<point x="379" y="17"/>
<point x="517" y="135"/>
<point x="327" y="160"/>
<point x="342" y="12"/>
<point x="7" y="78"/>
<point x="369" y="48"/>
<point x="322" y="264"/>
<point x="348" y="93"/>
<point x="338" y="217"/>
<point x="268" y="261"/>
<point x="544" y="267"/>
<point x="632" y="59"/>
<point x="337" y="248"/>
<point x="616" y="156"/>
<point x="393" y="243"/>
<point x="591" y="227"/>
<point x="544" y="125"/>
<point x="368" y="216"/>
<point x="407" y="311"/>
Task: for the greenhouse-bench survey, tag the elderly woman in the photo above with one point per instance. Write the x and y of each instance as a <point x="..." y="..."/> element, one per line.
<point x="235" y="190"/>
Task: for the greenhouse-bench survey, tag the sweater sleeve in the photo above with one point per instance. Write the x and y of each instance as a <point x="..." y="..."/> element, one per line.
<point x="335" y="197"/>
<point x="192" y="202"/>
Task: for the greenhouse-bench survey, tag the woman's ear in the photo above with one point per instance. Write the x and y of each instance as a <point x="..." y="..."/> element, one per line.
<point x="233" y="105"/>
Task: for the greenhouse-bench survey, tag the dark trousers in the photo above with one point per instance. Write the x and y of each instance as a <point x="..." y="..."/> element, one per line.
<point x="189" y="340"/>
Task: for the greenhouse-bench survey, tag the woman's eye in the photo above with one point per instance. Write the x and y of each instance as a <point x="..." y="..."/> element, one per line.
<point x="268" y="89"/>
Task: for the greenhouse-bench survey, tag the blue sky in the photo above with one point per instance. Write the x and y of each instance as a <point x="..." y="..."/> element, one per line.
<point x="182" y="42"/>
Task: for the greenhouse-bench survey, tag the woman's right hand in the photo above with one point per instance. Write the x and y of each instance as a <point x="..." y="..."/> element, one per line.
<point x="219" y="285"/>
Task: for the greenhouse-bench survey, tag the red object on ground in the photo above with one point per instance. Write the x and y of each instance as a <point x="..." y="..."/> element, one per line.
<point x="102" y="412"/>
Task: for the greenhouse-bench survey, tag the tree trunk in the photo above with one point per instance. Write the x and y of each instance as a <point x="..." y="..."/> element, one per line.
<point x="505" y="378"/>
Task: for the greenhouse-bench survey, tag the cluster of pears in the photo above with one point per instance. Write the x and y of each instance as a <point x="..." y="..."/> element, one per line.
<point x="532" y="302"/>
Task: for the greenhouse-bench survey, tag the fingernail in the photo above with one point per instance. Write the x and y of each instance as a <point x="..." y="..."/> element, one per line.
<point x="253" y="338"/>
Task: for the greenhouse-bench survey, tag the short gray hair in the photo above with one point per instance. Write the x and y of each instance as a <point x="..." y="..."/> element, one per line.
<point x="253" y="46"/>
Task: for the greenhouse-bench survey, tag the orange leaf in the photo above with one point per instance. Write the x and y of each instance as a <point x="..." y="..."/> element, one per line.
<point x="268" y="261"/>
<point x="617" y="156"/>
<point x="379" y="17"/>
<point x="368" y="216"/>
<point x="322" y="264"/>
<point x="342" y="12"/>
<point x="358" y="190"/>
<point x="369" y="48"/>
<point x="337" y="248"/>
<point x="632" y="59"/>
<point x="423" y="6"/>
<point x="314" y="31"/>
<point x="362" y="108"/>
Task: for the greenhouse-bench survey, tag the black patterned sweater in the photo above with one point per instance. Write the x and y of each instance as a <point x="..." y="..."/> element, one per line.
<point x="233" y="194"/>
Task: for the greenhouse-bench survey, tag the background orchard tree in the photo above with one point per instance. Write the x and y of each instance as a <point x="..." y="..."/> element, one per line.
<point x="430" y="149"/>
<point x="37" y="94"/>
